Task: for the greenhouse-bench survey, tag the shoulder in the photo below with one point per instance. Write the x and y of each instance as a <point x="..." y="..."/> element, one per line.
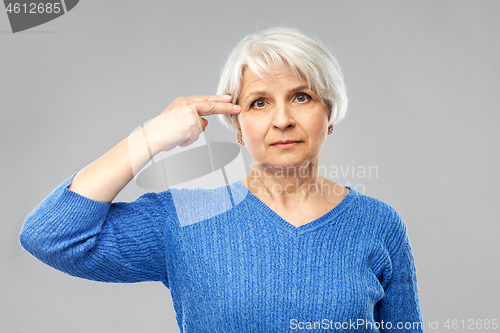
<point x="198" y="204"/>
<point x="376" y="208"/>
<point x="391" y="226"/>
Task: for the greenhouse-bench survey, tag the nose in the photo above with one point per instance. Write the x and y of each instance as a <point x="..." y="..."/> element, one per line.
<point x="283" y="117"/>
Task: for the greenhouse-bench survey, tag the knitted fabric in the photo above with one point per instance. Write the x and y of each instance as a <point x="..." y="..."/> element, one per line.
<point x="232" y="264"/>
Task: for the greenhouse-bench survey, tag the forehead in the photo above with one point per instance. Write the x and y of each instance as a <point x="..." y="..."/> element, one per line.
<point x="251" y="80"/>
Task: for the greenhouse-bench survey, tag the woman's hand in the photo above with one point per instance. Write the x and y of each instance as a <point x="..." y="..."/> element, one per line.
<point x="178" y="125"/>
<point x="181" y="123"/>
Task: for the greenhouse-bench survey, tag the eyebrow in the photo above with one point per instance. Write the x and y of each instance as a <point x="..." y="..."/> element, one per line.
<point x="263" y="92"/>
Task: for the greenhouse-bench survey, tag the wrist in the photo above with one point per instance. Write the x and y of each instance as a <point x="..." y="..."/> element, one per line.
<point x="148" y="147"/>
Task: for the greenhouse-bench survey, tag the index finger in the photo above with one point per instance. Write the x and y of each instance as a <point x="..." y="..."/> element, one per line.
<point x="208" y="108"/>
<point x="211" y="98"/>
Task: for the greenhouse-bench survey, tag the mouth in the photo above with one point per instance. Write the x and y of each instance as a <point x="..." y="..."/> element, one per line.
<point x="285" y="144"/>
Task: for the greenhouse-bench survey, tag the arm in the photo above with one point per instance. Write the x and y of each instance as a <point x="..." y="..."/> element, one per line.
<point x="104" y="178"/>
<point x="400" y="303"/>
<point x="178" y="125"/>
<point x="117" y="242"/>
<point x="78" y="231"/>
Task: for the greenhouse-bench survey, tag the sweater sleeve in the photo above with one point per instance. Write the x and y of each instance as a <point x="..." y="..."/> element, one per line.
<point x="108" y="242"/>
<point x="399" y="309"/>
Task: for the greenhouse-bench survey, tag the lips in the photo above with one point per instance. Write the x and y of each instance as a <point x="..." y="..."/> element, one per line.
<point x="284" y="142"/>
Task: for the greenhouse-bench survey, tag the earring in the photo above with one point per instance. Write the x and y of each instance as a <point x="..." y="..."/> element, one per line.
<point x="240" y="142"/>
<point x="330" y="129"/>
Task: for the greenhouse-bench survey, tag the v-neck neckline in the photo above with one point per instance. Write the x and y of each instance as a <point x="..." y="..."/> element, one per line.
<point x="281" y="222"/>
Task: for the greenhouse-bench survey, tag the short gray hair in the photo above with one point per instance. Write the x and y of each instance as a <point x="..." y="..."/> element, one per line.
<point x="283" y="45"/>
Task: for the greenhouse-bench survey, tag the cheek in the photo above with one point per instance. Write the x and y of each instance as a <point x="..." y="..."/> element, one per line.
<point x="319" y="131"/>
<point x="250" y="127"/>
<point x="254" y="136"/>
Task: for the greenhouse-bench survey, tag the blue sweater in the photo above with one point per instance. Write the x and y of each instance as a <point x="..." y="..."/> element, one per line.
<point x="234" y="265"/>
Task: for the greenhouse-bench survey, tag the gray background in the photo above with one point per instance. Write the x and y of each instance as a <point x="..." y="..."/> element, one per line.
<point x="423" y="80"/>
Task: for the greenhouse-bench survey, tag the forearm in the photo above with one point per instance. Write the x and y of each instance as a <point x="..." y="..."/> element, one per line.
<point x="178" y="125"/>
<point x="104" y="178"/>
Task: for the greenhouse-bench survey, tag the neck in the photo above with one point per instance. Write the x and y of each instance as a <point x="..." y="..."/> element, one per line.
<point x="288" y="185"/>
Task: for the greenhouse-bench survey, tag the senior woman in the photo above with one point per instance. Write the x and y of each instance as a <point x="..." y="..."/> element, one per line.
<point x="281" y="250"/>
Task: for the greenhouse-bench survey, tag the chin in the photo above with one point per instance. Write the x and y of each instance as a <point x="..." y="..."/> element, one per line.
<point x="286" y="161"/>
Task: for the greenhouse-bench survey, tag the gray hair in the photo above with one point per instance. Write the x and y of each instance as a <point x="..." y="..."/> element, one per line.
<point x="282" y="45"/>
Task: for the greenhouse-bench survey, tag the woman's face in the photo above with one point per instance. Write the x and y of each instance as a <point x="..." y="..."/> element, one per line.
<point x="281" y="110"/>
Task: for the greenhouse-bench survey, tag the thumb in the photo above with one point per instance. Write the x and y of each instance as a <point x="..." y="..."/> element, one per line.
<point x="204" y="123"/>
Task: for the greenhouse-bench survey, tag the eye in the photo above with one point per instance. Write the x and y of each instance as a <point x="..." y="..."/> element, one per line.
<point x="260" y="103"/>
<point x="303" y="97"/>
